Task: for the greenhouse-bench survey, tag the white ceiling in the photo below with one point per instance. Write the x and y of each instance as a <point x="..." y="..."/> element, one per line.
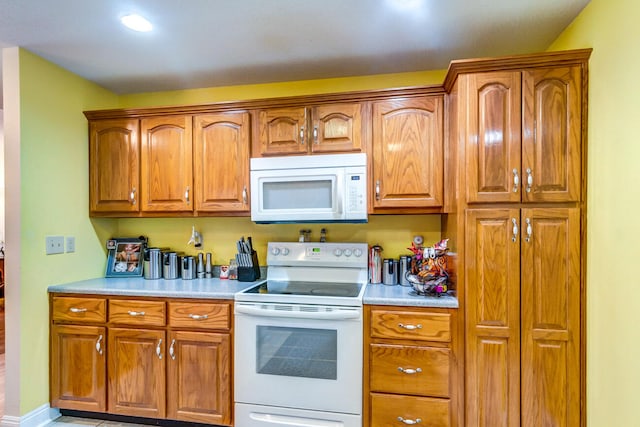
<point x="206" y="43"/>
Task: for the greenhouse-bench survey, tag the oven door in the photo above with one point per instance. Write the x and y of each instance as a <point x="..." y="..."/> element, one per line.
<point x="299" y="356"/>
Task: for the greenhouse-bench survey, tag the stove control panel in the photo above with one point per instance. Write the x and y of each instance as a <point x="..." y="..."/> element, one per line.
<point x="321" y="254"/>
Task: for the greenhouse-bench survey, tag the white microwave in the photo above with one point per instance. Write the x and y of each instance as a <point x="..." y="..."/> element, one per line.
<point x="322" y="188"/>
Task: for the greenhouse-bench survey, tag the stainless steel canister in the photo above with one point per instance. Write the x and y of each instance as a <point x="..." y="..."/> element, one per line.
<point x="404" y="268"/>
<point x="170" y="265"/>
<point x="390" y="271"/>
<point x="152" y="263"/>
<point x="188" y="268"/>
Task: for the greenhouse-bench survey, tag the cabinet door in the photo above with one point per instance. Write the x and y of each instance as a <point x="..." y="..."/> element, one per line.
<point x="552" y="134"/>
<point x="337" y="128"/>
<point x="199" y="377"/>
<point x="492" y="361"/>
<point x="221" y="162"/>
<point x="493" y="143"/>
<point x="167" y="182"/>
<point x="551" y="317"/>
<point x="137" y="372"/>
<point x="114" y="159"/>
<point x="407" y="153"/>
<point x="78" y="368"/>
<point x="282" y="131"/>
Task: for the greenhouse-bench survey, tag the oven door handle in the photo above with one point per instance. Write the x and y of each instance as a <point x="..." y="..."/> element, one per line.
<point x="292" y="420"/>
<point x="320" y="315"/>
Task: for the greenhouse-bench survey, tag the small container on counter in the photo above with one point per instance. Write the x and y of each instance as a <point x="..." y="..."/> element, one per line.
<point x="233" y="269"/>
<point x="390" y="271"/>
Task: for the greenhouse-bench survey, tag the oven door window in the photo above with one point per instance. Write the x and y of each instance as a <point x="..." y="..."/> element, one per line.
<point x="297" y="352"/>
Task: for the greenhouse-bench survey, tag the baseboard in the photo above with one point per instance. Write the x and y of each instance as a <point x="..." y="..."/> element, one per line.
<point x="37" y="418"/>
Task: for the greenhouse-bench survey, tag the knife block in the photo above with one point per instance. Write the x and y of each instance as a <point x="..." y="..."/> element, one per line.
<point x="250" y="274"/>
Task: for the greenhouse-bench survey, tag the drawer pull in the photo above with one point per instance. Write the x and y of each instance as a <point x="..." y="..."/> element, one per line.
<point x="99" y="345"/>
<point x="199" y="316"/>
<point x="77" y="310"/>
<point x="409" y="422"/>
<point x="409" y="371"/>
<point x="172" y="352"/>
<point x="410" y="327"/>
<point x="159" y="349"/>
<point x="136" y="313"/>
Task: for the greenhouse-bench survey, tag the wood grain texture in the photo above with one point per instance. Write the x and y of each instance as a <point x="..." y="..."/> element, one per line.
<point x="336" y="128"/>
<point x="281" y="131"/>
<point x="386" y="408"/>
<point x="166" y="164"/>
<point x="200" y="315"/>
<point x="78" y="368"/>
<point x="79" y="309"/>
<point x="407" y="153"/>
<point x="411" y="325"/>
<point x="222" y="145"/>
<point x="137" y="312"/>
<point x="199" y="377"/>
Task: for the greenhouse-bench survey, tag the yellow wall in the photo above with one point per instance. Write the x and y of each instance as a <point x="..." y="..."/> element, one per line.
<point x="54" y="190"/>
<point x="611" y="27"/>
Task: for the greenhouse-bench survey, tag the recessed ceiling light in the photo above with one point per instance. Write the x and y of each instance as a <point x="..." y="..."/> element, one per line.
<point x="136" y="23"/>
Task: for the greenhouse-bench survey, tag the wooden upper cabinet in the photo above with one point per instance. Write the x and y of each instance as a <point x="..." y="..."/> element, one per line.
<point x="114" y="158"/>
<point x="552" y="134"/>
<point x="166" y="164"/>
<point x="407" y="157"/>
<point x="322" y="129"/>
<point x="221" y="162"/>
<point x="524" y="135"/>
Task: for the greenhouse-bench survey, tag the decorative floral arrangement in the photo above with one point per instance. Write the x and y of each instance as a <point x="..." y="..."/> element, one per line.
<point x="429" y="268"/>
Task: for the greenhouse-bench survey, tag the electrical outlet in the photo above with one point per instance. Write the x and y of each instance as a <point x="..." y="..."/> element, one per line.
<point x="54" y="245"/>
<point x="71" y="244"/>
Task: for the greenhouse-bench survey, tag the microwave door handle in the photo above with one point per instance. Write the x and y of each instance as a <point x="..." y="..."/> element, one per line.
<point x="329" y="315"/>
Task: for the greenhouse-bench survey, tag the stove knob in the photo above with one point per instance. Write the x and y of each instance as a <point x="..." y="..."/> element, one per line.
<point x="337" y="251"/>
<point x="357" y="253"/>
<point x="347" y="252"/>
<point x="275" y="251"/>
<point x="285" y="251"/>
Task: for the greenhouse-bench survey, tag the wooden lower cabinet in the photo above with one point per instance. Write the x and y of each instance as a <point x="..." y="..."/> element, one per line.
<point x="398" y="410"/>
<point x="144" y="357"/>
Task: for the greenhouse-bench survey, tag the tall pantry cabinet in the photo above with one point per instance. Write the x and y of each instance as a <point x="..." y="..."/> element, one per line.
<point x="517" y="208"/>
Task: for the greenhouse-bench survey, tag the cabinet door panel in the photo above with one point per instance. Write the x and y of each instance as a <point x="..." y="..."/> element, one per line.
<point x="551" y="317"/>
<point x="337" y="128"/>
<point x="78" y="368"/>
<point x="221" y="162"/>
<point x="552" y="139"/>
<point x="137" y="372"/>
<point x="114" y="158"/>
<point x="199" y="377"/>
<point x="493" y="137"/>
<point x="282" y="131"/>
<point x="408" y="153"/>
<point x="167" y="177"/>
<point x="493" y="318"/>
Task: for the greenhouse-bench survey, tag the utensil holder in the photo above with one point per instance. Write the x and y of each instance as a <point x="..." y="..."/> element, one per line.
<point x="250" y="274"/>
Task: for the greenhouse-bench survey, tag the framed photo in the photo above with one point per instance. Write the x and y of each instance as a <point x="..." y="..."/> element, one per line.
<point x="125" y="257"/>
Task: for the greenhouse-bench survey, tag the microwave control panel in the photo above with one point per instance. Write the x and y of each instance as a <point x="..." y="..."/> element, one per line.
<point x="356" y="199"/>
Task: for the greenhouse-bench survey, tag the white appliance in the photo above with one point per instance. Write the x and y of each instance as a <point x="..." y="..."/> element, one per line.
<point x="322" y="188"/>
<point x="298" y="338"/>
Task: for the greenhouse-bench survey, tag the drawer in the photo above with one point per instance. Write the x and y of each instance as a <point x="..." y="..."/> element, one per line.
<point x="136" y="312"/>
<point x="389" y="410"/>
<point x="199" y="315"/>
<point x="410" y="370"/>
<point x="74" y="309"/>
<point x="411" y="325"/>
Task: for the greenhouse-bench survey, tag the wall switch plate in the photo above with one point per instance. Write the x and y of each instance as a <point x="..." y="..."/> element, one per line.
<point x="54" y="244"/>
<point x="71" y="244"/>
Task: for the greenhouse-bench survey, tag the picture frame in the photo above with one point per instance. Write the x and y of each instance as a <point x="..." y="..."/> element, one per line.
<point x="125" y="256"/>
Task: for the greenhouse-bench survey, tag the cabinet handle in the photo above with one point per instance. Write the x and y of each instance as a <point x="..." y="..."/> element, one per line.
<point x="244" y="195"/>
<point x="199" y="316"/>
<point x="514" y="230"/>
<point x="409" y="422"/>
<point x="516" y="180"/>
<point x="410" y="327"/>
<point x="159" y="349"/>
<point x="529" y="230"/>
<point x="136" y="313"/>
<point x="409" y="371"/>
<point x="186" y="194"/>
<point x="99" y="345"/>
<point x="171" y="351"/>
<point x="315" y="134"/>
<point x="77" y="310"/>
<point x="302" y="135"/>
<point x="529" y="180"/>
<point x="132" y="196"/>
<point x="378" y="190"/>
